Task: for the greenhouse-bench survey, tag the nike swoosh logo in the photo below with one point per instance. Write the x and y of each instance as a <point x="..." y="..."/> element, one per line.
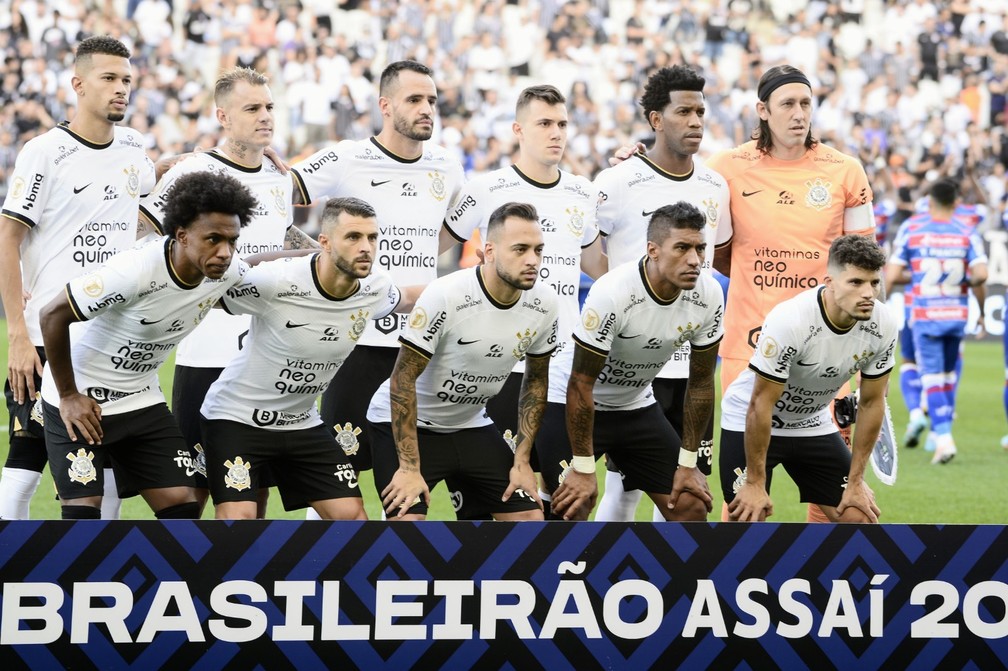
<point x="466" y="342"/>
<point x="76" y="190"/>
<point x="374" y="183"/>
<point x="645" y="213"/>
<point x="746" y="194"/>
<point x="626" y="337"/>
<point x="143" y="320"/>
<point x="294" y="326"/>
<point x="802" y="363"/>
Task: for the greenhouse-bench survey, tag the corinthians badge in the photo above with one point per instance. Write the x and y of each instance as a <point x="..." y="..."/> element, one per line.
<point x="346" y="437"/>
<point x="237" y="476"/>
<point x="82" y="468"/>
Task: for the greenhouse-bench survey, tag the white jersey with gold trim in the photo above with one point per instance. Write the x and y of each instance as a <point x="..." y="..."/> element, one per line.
<point x="79" y="201"/>
<point x="137" y="311"/>
<point x="624" y="321"/>
<point x="566" y="211"/>
<point x="630" y="193"/>
<point x="296" y="343"/>
<point x="220" y="337"/>
<point x="473" y="342"/>
<point x="411" y="197"/>
<point x="800" y="347"/>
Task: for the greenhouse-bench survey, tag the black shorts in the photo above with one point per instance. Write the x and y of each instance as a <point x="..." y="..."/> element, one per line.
<point x="819" y="465"/>
<point x="25" y="430"/>
<point x="346" y="400"/>
<point x="188" y="391"/>
<point x="670" y="393"/>
<point x="478" y="461"/>
<point x="641" y="442"/>
<point x="144" y="448"/>
<point x="306" y="463"/>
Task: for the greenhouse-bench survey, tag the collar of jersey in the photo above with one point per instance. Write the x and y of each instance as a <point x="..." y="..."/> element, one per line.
<point x="65" y="125"/>
<point x="321" y="289"/>
<point x="486" y="292"/>
<point x="392" y="156"/>
<point x="665" y="173"/>
<point x="642" y="269"/>
<point x="537" y="184"/>
<point x="213" y="153"/>
<point x="829" y="322"/>
<point x="171" y="268"/>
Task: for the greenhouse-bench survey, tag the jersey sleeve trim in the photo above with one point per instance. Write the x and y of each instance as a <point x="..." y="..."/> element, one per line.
<point x="767" y="376"/>
<point x="153" y="220"/>
<point x="224" y="305"/>
<point x="704" y="348"/>
<point x="78" y="313"/>
<point x="412" y="346"/>
<point x="452" y="232"/>
<point x="591" y="348"/>
<point x="597" y="236"/>
<point x="870" y="376"/>
<point x="302" y="189"/>
<point x="540" y="355"/>
<point x="24" y="221"/>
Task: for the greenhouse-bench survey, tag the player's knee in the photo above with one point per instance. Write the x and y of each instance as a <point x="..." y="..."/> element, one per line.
<point x="181" y="511"/>
<point x="688" y="508"/>
<point x="853" y="516"/>
<point x="72" y="512"/>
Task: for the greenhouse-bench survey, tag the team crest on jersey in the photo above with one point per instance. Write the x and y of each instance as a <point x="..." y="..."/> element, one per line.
<point x="861" y="360"/>
<point x="511" y="440"/>
<point x="418" y="319"/>
<point x="740" y="479"/>
<point x="769" y="347"/>
<point x="576" y="221"/>
<point x="590" y="320"/>
<point x="346" y="437"/>
<point x="82" y="468"/>
<point x="279" y="200"/>
<point x="132" y="180"/>
<point x="93" y="285"/>
<point x="204" y="308"/>
<point x="687" y="332"/>
<point x="711" y="210"/>
<point x="524" y="342"/>
<point x="818" y="196"/>
<point x="238" y="476"/>
<point x="359" y="323"/>
<point x="437" y="186"/>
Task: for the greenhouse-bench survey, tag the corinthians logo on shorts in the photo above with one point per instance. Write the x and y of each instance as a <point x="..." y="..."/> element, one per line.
<point x="437" y="187"/>
<point x="740" y="479"/>
<point x="346" y="437"/>
<point x="818" y="196"/>
<point x="524" y="341"/>
<point x="237" y="476"/>
<point x="359" y="323"/>
<point x="576" y="221"/>
<point x="132" y="180"/>
<point x="82" y="468"/>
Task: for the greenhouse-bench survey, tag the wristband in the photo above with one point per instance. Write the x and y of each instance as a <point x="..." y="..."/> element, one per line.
<point x="687" y="459"/>
<point x="583" y="464"/>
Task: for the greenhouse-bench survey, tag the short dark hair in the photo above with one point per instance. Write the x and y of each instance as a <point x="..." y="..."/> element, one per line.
<point x="944" y="192"/>
<point x="99" y="44"/>
<point x="525" y="211"/>
<point x="199" y="193"/>
<point x="860" y="251"/>
<point x="545" y="92"/>
<point x="352" y="206"/>
<point x="680" y="215"/>
<point x="227" y="81"/>
<point x="390" y="75"/>
<point x="661" y="84"/>
<point x="764" y="141"/>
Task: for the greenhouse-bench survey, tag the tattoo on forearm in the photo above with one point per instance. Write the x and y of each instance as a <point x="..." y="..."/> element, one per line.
<point x="295" y="238"/>
<point x="532" y="398"/>
<point x="699" y="404"/>
<point x="402" y="398"/>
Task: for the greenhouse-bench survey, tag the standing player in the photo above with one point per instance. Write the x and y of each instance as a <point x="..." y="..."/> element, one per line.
<point x="791" y="196"/>
<point x="245" y="113"/>
<point x="566" y="204"/>
<point x="634" y="319"/>
<point x="72" y="205"/>
<point x="673" y="104"/>
<point x="262" y="409"/>
<point x="103" y="389"/>
<point x="809" y="347"/>
<point x="428" y="422"/>
<point x="412" y="186"/>
<point x="944" y="257"/>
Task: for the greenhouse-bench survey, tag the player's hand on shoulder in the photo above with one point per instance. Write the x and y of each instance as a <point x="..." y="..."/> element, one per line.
<point x="275" y="159"/>
<point x="82" y="418"/>
<point x="751" y="504"/>
<point x="626" y="151"/>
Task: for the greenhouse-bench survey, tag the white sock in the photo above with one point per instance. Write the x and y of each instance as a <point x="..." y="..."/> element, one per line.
<point x="17" y="486"/>
<point x="310" y="514"/>
<point x="617" y="505"/>
<point x="111" y="504"/>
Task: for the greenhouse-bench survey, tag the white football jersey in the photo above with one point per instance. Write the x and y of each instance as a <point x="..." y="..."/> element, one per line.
<point x="567" y="216"/>
<point x="296" y="343"/>
<point x="137" y="311"/>
<point x="473" y="342"/>
<point x="636" y="331"/>
<point x="411" y="197"/>
<point x="630" y="193"/>
<point x="79" y="201"/>
<point x="800" y="347"/>
<point x="220" y="337"/>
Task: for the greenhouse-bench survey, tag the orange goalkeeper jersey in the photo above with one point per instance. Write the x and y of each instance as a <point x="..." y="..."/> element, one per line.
<point x="784" y="215"/>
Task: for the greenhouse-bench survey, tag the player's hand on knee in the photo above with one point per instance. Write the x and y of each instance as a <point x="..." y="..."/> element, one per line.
<point x="576" y="495"/>
<point x="406" y="490"/>
<point x="522" y="479"/>
<point x="691" y="481"/>
<point x="860" y="498"/>
<point x="751" y="504"/>
<point x="22" y="364"/>
<point x="81" y="415"/>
